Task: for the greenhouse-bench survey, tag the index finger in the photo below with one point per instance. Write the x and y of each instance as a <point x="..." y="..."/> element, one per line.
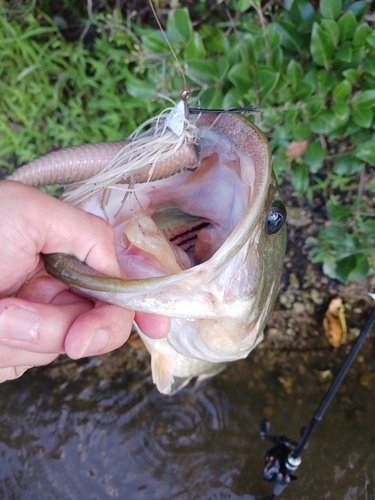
<point x="54" y="226"/>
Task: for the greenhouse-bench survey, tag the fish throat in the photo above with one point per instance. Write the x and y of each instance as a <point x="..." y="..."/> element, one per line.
<point x="181" y="229"/>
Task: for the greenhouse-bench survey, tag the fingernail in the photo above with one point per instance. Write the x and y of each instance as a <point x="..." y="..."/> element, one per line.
<point x="17" y="323"/>
<point x="96" y="342"/>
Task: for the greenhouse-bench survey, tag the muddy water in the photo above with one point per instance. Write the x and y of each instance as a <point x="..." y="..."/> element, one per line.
<point x="98" y="430"/>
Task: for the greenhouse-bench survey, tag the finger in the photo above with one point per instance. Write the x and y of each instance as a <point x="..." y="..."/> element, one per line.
<point x="54" y="226"/>
<point x="16" y="359"/>
<point x="153" y="325"/>
<point x="39" y="327"/>
<point x="12" y="372"/>
<point x="100" y="330"/>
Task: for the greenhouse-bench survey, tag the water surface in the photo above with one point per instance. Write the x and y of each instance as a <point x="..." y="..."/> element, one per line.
<point x="99" y="430"/>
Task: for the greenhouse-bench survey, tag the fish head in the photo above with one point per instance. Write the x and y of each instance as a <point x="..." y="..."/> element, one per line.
<point x="203" y="246"/>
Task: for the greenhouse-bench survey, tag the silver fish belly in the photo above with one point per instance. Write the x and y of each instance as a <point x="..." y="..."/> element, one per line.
<point x="203" y="246"/>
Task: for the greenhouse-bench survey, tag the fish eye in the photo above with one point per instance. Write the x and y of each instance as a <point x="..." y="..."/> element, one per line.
<point x="276" y="218"/>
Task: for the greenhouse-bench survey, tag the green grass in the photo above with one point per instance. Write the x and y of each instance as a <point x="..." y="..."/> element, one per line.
<point x="312" y="73"/>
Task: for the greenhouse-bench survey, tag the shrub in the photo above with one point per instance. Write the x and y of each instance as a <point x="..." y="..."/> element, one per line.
<point x="310" y="72"/>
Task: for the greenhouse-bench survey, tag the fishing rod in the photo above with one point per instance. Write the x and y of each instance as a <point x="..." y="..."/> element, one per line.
<point x="283" y="459"/>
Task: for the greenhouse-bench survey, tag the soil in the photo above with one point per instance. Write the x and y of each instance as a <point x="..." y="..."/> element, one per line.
<point x="296" y="325"/>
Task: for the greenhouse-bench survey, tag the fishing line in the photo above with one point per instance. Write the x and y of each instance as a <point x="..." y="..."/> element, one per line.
<point x="172" y="130"/>
<point x="186" y="91"/>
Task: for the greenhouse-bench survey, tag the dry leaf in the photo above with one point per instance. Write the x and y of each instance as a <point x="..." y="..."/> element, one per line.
<point x="334" y="323"/>
<point x="296" y="149"/>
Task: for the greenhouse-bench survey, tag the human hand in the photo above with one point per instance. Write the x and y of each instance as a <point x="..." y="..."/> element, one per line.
<point x="40" y="317"/>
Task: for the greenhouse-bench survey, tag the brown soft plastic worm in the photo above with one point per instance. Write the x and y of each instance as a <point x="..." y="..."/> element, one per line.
<point x="79" y="163"/>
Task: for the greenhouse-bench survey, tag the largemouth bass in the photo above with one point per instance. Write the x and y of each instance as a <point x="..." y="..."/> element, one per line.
<point x="203" y="246"/>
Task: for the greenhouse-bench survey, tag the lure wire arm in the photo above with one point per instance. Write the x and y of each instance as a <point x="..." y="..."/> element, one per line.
<point x="241" y="111"/>
<point x="285" y="456"/>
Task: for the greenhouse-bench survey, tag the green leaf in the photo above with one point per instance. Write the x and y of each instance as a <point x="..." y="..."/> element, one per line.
<point x="362" y="117"/>
<point x="369" y="67"/>
<point x="195" y="48"/>
<point x="212" y="98"/>
<point x="289" y="35"/>
<point x="314" y="156"/>
<point x="367" y="227"/>
<point x="282" y="85"/>
<point x="369" y="81"/>
<point x="321" y="46"/>
<point x="279" y="167"/>
<point x="372" y="186"/>
<point x="346" y="165"/>
<point x="286" y="94"/>
<point x="300" y="178"/>
<point x="248" y="52"/>
<point x="216" y="41"/>
<point x="362" y="31"/>
<point x="274" y="38"/>
<point x="325" y="81"/>
<point x="154" y="43"/>
<point x="304" y="90"/>
<point x="325" y="122"/>
<point x="302" y="132"/>
<point x="347" y="26"/>
<point x="352" y="75"/>
<point x="312" y="76"/>
<point x="294" y="72"/>
<point x="276" y="58"/>
<point x="364" y="98"/>
<point x="240" y="74"/>
<point x="329" y="233"/>
<point x="331" y="29"/>
<point x="342" y="112"/>
<point x="315" y="105"/>
<point x="342" y="91"/>
<point x="345" y="53"/>
<point x="338" y="213"/>
<point x="352" y="268"/>
<point x="370" y="40"/>
<point x="259" y="48"/>
<point x="267" y="79"/>
<point x="359" y="55"/>
<point x="359" y="9"/>
<point x="222" y="67"/>
<point x="139" y="89"/>
<point x="360" y="136"/>
<point x="330" y="8"/>
<point x="243" y="5"/>
<point x="301" y="10"/>
<point x="203" y="71"/>
<point x="234" y="97"/>
<point x="366" y="152"/>
<point x="179" y="27"/>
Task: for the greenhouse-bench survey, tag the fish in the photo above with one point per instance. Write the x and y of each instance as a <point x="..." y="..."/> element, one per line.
<point x="203" y="245"/>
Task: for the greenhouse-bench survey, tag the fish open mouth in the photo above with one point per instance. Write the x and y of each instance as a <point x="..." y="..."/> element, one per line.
<point x="196" y="238"/>
<point x="175" y="223"/>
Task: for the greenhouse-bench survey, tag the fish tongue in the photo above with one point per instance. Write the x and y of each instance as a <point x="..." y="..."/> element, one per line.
<point x="147" y="253"/>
